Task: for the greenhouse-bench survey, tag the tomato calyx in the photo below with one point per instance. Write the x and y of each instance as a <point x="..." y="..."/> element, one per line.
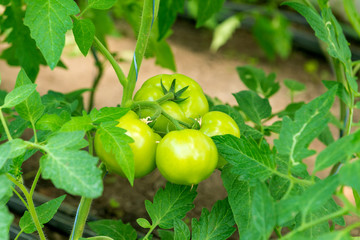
<point x="176" y="98"/>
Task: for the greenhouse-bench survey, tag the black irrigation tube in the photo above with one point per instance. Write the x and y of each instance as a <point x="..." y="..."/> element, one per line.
<point x="62" y="222"/>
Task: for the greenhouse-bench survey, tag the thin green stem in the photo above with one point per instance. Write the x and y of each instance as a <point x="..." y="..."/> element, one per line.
<point x="18" y="235"/>
<point x="173" y="120"/>
<point x="20" y="197"/>
<point x="84" y="11"/>
<point x="30" y="207"/>
<point x="150" y="231"/>
<point x="33" y="186"/>
<point x="119" y="73"/>
<point x="34" y="129"/>
<point x="307" y="225"/>
<point x="96" y="81"/>
<point x="81" y="216"/>
<point x="141" y="44"/>
<point x="288" y="191"/>
<point x="5" y="126"/>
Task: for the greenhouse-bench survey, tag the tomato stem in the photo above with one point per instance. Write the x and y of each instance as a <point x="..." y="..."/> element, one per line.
<point x="30" y="205"/>
<point x="119" y="73"/>
<point x="143" y="37"/>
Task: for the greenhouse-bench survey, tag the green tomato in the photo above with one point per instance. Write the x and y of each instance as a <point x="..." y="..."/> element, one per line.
<point x="194" y="106"/>
<point x="218" y="123"/>
<point x="143" y="147"/>
<point x="186" y="157"/>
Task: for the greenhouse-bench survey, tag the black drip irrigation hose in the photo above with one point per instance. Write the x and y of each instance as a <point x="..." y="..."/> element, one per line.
<point x="62" y="222"/>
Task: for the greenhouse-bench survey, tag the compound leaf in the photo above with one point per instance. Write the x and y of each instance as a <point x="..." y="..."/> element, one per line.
<point x="248" y="159"/>
<point x="255" y="107"/>
<point x="310" y="120"/>
<point x="115" y="229"/>
<point x="115" y="141"/>
<point x="218" y="224"/>
<point x="45" y="213"/>
<point x="32" y="108"/>
<point x="169" y="204"/>
<point x="48" y="21"/>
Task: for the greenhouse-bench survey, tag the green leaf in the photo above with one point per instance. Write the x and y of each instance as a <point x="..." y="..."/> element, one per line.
<point x="337" y="235"/>
<point x="48" y="21"/>
<point x="224" y="31"/>
<point x="84" y="32"/>
<point x="340" y="150"/>
<point x="5" y="222"/>
<point x="82" y="123"/>
<point x="74" y="171"/>
<point x="52" y="122"/>
<point x="326" y="136"/>
<point x="22" y="51"/>
<point x="107" y="114"/>
<point x="101" y="4"/>
<point x="98" y="238"/>
<point x="328" y="29"/>
<point x="318" y="194"/>
<point x="32" y="108"/>
<point x="168" y="11"/>
<point x="181" y="230"/>
<point x="143" y="223"/>
<point x="11" y="149"/>
<point x="255" y="107"/>
<point x="70" y="169"/>
<point x="240" y="196"/>
<point x="67" y="141"/>
<point x="352" y="14"/>
<point x="45" y="213"/>
<point x="16" y="128"/>
<point x="348" y="175"/>
<point x="263" y="217"/>
<point x="164" y="55"/>
<point x="249" y="160"/>
<point x="256" y="80"/>
<point x="169" y="204"/>
<point x="18" y="95"/>
<point x="290" y="110"/>
<point x="165" y="234"/>
<point x="310" y="120"/>
<point x="294" y="85"/>
<point x="116" y="142"/>
<point x="5" y="190"/>
<point x="341" y="91"/>
<point x="219" y="224"/>
<point x="206" y="9"/>
<point x="115" y="229"/>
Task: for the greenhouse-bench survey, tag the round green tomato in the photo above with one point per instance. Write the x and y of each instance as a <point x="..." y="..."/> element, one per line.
<point x="218" y="123"/>
<point x="186" y="157"/>
<point x="194" y="106"/>
<point x="143" y="147"/>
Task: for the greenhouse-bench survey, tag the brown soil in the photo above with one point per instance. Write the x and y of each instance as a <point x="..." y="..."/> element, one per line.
<point x="214" y="71"/>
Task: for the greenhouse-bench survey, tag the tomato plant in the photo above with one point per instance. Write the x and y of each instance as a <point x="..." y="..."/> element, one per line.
<point x="196" y="162"/>
<point x="143" y="147"/>
<point x="270" y="190"/>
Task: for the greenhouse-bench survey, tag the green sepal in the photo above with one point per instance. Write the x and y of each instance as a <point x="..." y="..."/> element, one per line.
<point x="177" y="98"/>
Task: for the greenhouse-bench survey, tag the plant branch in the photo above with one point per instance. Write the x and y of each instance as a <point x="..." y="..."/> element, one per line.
<point x="30" y="206"/>
<point x="33" y="186"/>
<point x="96" y="81"/>
<point x="119" y="73"/>
<point x="307" y="225"/>
<point x="141" y="44"/>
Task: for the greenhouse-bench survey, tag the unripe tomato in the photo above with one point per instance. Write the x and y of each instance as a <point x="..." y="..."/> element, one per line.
<point x="186" y="157"/>
<point x="143" y="147"/>
<point x="219" y="123"/>
<point x="193" y="106"/>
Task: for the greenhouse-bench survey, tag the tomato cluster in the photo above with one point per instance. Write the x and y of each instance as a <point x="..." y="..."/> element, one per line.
<point x="183" y="156"/>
